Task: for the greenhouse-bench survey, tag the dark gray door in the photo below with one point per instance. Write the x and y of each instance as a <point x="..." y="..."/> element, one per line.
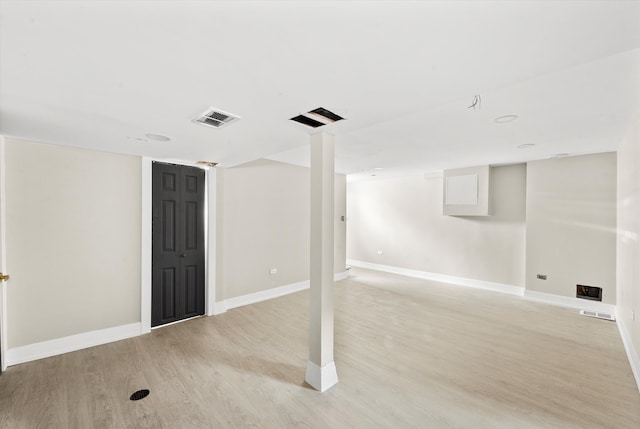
<point x="178" y="243"/>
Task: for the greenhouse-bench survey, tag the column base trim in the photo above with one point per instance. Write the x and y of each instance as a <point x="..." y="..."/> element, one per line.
<point x="321" y="378"/>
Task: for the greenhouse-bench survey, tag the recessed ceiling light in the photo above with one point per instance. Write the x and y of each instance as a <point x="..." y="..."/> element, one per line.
<point x="505" y="118"/>
<point x="526" y="145"/>
<point x="378" y="168"/>
<point x="157" y="137"/>
<point x="558" y="155"/>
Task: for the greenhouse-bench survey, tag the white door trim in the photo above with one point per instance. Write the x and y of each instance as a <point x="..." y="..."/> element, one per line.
<point x="146" y="239"/>
<point x="145" y="245"/>
<point x="3" y="257"/>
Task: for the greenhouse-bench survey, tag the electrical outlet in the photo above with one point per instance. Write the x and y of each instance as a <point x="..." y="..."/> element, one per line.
<point x="273" y="271"/>
<point x="379" y="252"/>
<point x="542" y="276"/>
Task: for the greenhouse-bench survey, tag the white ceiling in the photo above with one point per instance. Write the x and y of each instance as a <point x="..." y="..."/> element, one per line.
<point x="102" y="74"/>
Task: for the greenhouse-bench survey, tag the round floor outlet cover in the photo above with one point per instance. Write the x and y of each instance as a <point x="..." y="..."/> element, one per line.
<point x="136" y="396"/>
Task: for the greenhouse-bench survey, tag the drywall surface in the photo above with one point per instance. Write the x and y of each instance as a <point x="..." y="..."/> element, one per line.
<point x="73" y="241"/>
<point x="471" y="196"/>
<point x="265" y="223"/>
<point x="340" y="225"/>
<point x="628" y="245"/>
<point x="571" y="224"/>
<point x="402" y="218"/>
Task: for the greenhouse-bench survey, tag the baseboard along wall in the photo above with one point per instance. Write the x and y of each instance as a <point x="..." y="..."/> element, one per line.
<point x="443" y="278"/>
<point x="565" y="301"/>
<point x="263" y="295"/>
<point x="31" y="352"/>
<point x="632" y="353"/>
<point x="562" y="301"/>
<point x="58" y="346"/>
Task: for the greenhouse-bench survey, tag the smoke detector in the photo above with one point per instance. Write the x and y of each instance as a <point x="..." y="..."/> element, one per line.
<point x="215" y="118"/>
<point x="505" y="118"/>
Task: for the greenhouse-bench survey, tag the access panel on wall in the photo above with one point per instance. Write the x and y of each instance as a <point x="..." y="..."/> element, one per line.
<point x="178" y="243"/>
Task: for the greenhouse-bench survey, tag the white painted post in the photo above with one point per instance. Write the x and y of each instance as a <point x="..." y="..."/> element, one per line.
<point x="321" y="370"/>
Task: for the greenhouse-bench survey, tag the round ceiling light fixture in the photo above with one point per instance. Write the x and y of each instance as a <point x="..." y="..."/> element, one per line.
<point x="505" y="118"/>
<point x="526" y="145"/>
<point x="157" y="137"/>
<point x="378" y="168"/>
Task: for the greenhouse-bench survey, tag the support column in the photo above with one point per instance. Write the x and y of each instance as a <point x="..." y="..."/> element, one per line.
<point x="321" y="370"/>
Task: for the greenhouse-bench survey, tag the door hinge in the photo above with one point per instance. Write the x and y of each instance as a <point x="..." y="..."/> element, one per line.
<point x="4" y="277"/>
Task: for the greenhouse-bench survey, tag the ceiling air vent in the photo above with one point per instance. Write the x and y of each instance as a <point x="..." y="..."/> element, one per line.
<point x="317" y="118"/>
<point x="216" y="118"/>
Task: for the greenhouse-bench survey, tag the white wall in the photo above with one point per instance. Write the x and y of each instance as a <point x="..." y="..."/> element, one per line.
<point x="571" y="224"/>
<point x="340" y="225"/>
<point x="73" y="241"/>
<point x="264" y="224"/>
<point x="628" y="242"/>
<point x="403" y="218"/>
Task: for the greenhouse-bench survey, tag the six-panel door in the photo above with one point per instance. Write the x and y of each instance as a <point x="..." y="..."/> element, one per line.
<point x="178" y="243"/>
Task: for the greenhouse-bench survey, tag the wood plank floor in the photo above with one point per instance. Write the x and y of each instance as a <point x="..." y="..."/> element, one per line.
<point x="409" y="353"/>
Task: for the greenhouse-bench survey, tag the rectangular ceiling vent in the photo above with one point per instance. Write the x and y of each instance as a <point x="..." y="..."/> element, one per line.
<point x="597" y="314"/>
<point x="216" y="118"/>
<point x="317" y="117"/>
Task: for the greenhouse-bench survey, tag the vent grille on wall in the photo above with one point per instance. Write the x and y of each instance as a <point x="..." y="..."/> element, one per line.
<point x="317" y="117"/>
<point x="597" y="314"/>
<point x="215" y="118"/>
<point x="593" y="293"/>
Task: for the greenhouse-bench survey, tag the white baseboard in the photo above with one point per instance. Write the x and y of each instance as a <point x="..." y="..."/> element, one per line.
<point x="265" y="295"/>
<point x="31" y="352"/>
<point x="462" y="281"/>
<point x="570" y="302"/>
<point x="565" y="301"/>
<point x="219" y="307"/>
<point x="632" y="353"/>
<point x="321" y="378"/>
<point x="71" y="343"/>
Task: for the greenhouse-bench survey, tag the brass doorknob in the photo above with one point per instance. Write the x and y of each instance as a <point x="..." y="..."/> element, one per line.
<point x="4" y="277"/>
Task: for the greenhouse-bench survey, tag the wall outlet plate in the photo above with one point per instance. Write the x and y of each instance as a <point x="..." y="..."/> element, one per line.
<point x="273" y="271"/>
<point x="542" y="276"/>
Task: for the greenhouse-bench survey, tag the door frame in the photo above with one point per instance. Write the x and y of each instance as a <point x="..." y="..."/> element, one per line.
<point x="210" y="203"/>
<point x="3" y="258"/>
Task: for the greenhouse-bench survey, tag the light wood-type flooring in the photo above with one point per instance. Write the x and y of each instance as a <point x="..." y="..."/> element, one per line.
<point x="409" y="353"/>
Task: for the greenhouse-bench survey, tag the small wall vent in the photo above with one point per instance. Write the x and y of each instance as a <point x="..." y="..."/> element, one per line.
<point x="215" y="118"/>
<point x="593" y="293"/>
<point x="597" y="314"/>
